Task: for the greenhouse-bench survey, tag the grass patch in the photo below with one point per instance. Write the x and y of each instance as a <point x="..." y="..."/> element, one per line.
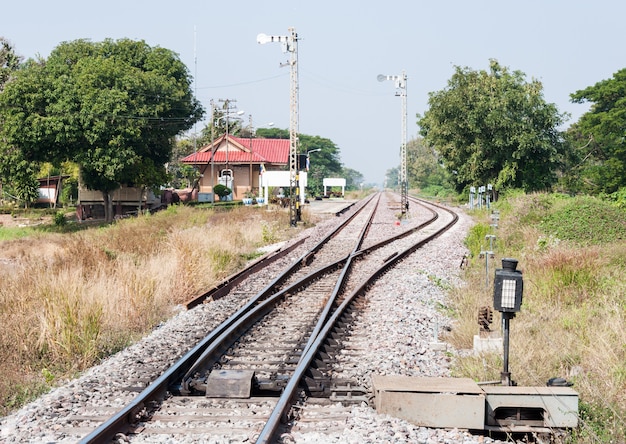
<point x="15" y="233"/>
<point x="69" y="298"/>
<point x="586" y="221"/>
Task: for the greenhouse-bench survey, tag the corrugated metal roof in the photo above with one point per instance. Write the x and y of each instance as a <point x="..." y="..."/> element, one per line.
<point x="242" y="150"/>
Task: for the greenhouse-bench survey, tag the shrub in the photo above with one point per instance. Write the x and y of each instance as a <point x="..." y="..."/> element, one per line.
<point x="222" y="191"/>
<point x="59" y="219"/>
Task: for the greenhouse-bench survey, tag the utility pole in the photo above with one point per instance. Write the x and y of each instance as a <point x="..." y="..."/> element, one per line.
<point x="212" y="151"/>
<point x="290" y="44"/>
<point x="400" y="82"/>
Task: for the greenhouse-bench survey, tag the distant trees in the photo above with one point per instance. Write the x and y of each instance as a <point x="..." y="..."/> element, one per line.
<point x="599" y="138"/>
<point x="392" y="178"/>
<point x="494" y="127"/>
<point x="9" y="61"/>
<point x="424" y="167"/>
<point x="113" y="107"/>
<point x="354" y="179"/>
<point x="17" y="175"/>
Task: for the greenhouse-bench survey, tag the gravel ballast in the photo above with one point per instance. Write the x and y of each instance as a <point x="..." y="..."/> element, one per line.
<point x="400" y="324"/>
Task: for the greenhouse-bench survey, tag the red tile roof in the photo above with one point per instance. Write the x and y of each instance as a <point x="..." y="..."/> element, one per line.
<point x="242" y="150"/>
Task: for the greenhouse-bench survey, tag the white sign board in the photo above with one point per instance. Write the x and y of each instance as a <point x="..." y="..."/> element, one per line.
<point x="281" y="179"/>
<point x="334" y="182"/>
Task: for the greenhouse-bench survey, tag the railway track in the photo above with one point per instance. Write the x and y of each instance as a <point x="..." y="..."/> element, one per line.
<point x="266" y="368"/>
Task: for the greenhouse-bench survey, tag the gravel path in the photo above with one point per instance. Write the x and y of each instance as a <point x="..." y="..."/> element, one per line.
<point x="399" y="343"/>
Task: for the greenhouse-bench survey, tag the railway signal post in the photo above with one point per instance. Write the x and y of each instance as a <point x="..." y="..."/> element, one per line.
<point x="508" y="288"/>
<point x="400" y="82"/>
<point x="290" y="44"/>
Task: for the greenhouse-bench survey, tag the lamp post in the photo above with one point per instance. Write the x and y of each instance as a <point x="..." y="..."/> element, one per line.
<point x="312" y="151"/>
<point x="308" y="157"/>
<point x="290" y="44"/>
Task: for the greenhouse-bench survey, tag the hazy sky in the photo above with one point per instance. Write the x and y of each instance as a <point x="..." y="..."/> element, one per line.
<point x="343" y="46"/>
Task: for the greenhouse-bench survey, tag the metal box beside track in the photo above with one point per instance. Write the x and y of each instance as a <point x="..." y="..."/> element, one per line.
<point x="461" y="403"/>
<point x="520" y="408"/>
<point x="431" y="402"/>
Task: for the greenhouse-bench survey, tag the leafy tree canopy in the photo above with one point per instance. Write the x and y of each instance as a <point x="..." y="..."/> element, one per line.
<point x="424" y="166"/>
<point x="392" y="178"/>
<point x="18" y="176"/>
<point x="494" y="127"/>
<point x="113" y="107"/>
<point x="354" y="179"/>
<point x="9" y="61"/>
<point x="599" y="136"/>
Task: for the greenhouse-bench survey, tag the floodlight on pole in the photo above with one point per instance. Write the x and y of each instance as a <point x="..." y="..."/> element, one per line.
<point x="400" y="83"/>
<point x="308" y="157"/>
<point x="290" y="44"/>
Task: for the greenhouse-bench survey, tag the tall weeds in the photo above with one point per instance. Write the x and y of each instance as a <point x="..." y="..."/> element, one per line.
<point x="68" y="300"/>
<point x="573" y="318"/>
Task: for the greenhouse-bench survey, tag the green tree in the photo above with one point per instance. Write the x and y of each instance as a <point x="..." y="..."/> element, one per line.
<point x="17" y="175"/>
<point x="113" y="107"/>
<point x="392" y="178"/>
<point x="272" y="133"/>
<point x="354" y="179"/>
<point x="494" y="127"/>
<point x="323" y="163"/>
<point x="599" y="138"/>
<point x="424" y="168"/>
<point x="9" y="61"/>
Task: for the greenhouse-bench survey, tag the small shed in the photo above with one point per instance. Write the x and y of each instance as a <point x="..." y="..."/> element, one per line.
<point x="50" y="189"/>
<point x="126" y="200"/>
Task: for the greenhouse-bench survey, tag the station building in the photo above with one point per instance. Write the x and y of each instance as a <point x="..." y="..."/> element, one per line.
<point x="238" y="163"/>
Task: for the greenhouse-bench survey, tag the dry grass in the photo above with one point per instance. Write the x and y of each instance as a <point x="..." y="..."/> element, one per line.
<point x="572" y="323"/>
<point x="68" y="300"/>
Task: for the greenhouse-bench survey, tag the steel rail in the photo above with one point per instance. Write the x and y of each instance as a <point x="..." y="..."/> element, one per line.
<point x="123" y="419"/>
<point x="285" y="401"/>
<point x="126" y="416"/>
<point x="225" y="286"/>
<point x="340" y="281"/>
<point x="218" y="345"/>
<point x="211" y="354"/>
<point x="216" y="348"/>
